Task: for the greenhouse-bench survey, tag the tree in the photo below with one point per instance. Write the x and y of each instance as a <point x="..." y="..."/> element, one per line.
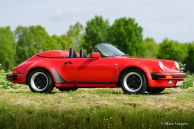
<point x="172" y="50"/>
<point x="61" y="41"/>
<point x="7" y="48"/>
<point x="64" y="41"/>
<point x="150" y="48"/>
<point x="126" y="34"/>
<point x="96" y="31"/>
<point x="189" y="60"/>
<point x="31" y="40"/>
<point x="74" y="35"/>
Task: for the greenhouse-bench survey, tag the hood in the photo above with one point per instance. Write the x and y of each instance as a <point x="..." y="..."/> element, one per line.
<point x="169" y="65"/>
<point x="54" y="54"/>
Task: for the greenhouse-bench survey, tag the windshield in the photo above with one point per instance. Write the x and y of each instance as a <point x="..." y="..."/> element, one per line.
<point x="107" y="50"/>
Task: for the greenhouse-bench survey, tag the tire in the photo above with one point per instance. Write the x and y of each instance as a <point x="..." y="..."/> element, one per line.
<point x="40" y="81"/>
<point x="133" y="81"/>
<point x="62" y="89"/>
<point x="154" y="90"/>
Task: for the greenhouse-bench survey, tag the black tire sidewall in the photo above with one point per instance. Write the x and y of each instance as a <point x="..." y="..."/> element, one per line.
<point x="144" y="81"/>
<point x="50" y="85"/>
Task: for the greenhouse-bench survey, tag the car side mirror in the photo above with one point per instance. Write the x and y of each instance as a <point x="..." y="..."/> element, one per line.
<point x="95" y="55"/>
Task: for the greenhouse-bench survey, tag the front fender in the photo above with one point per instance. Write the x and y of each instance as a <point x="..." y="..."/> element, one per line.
<point x="146" y="67"/>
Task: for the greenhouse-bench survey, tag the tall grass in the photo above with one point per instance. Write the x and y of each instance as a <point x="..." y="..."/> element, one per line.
<point x="94" y="118"/>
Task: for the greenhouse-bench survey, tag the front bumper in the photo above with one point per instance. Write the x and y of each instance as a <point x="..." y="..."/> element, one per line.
<point x="176" y="76"/>
<point x="16" y="78"/>
<point x="166" y="80"/>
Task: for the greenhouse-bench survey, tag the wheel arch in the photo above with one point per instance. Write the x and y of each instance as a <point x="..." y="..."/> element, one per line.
<point x="32" y="69"/>
<point x="133" y="67"/>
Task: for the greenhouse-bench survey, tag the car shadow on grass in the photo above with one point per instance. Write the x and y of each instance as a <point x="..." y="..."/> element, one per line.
<point x="146" y="93"/>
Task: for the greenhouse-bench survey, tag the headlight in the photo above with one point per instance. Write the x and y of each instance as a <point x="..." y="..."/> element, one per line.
<point x="177" y="65"/>
<point x="161" y="65"/>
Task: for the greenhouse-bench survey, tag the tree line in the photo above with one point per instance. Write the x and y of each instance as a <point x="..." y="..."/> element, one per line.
<point x="125" y="33"/>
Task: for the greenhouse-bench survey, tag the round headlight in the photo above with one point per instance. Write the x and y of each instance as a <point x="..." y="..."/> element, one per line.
<point x="161" y="65"/>
<point x="177" y="65"/>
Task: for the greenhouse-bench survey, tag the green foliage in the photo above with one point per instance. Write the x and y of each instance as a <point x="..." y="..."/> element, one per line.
<point x="182" y="67"/>
<point x="150" y="48"/>
<point x="32" y="40"/>
<point x="62" y="41"/>
<point x="189" y="60"/>
<point x="75" y="35"/>
<point x="96" y="31"/>
<point x="126" y="34"/>
<point x="4" y="83"/>
<point x="7" y="48"/>
<point x="188" y="82"/>
<point x="172" y="50"/>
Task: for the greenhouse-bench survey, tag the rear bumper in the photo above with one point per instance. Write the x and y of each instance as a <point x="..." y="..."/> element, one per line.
<point x="11" y="77"/>
<point x="16" y="78"/>
<point x="158" y="76"/>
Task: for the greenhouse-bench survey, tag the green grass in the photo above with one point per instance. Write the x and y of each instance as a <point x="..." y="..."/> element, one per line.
<point x="99" y="118"/>
<point x="96" y="108"/>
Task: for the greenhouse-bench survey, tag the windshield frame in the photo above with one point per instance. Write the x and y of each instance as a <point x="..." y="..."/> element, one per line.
<point x="108" y="50"/>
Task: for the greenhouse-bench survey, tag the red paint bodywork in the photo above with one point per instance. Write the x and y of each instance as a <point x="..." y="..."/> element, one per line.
<point x="95" y="71"/>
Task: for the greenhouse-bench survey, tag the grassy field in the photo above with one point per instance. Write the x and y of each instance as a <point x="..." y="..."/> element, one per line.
<point x="96" y="108"/>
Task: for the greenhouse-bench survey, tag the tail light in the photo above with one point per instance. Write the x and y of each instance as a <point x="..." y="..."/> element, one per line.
<point x="14" y="71"/>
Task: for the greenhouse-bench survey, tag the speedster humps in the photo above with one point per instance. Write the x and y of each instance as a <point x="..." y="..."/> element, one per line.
<point x="107" y="67"/>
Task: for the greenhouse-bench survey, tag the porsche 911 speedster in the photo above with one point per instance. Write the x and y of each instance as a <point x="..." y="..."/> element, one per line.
<point x="107" y="67"/>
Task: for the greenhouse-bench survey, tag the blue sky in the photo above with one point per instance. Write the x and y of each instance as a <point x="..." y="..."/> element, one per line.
<point x="173" y="19"/>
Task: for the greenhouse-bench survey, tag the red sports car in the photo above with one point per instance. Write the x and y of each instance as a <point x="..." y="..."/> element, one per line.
<point x="107" y="67"/>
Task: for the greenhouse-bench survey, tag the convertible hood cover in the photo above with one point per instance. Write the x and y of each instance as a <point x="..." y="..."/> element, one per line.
<point x="54" y="54"/>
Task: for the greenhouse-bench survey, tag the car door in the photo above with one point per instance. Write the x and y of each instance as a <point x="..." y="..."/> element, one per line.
<point x="88" y="70"/>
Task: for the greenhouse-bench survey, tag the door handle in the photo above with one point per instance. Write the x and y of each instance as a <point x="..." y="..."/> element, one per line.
<point x="68" y="62"/>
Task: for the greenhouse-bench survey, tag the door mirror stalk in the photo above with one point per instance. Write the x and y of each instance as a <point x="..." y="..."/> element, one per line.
<point x="95" y="55"/>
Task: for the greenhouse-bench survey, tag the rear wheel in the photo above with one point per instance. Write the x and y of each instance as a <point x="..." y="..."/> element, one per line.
<point x="133" y="81"/>
<point x="155" y="90"/>
<point x="62" y="89"/>
<point x="40" y="81"/>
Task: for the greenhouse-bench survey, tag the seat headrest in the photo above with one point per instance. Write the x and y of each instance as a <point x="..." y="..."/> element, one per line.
<point x="83" y="53"/>
<point x="72" y="53"/>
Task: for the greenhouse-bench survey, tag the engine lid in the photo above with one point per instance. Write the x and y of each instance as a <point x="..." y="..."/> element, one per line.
<point x="54" y="54"/>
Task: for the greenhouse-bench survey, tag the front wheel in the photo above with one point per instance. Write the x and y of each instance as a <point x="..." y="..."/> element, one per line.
<point x="133" y="81"/>
<point x="40" y="81"/>
<point x="155" y="90"/>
